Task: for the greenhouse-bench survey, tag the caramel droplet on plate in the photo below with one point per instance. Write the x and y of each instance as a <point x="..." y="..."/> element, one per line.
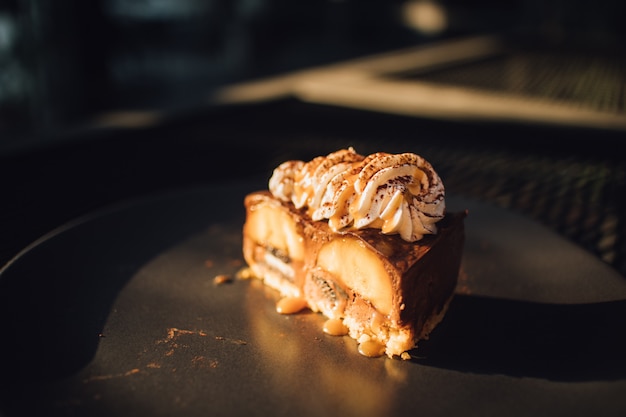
<point x="335" y="327"/>
<point x="291" y="305"/>
<point x="371" y="349"/>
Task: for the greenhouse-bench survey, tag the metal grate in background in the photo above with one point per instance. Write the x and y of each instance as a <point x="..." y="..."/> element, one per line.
<point x="580" y="199"/>
<point x="593" y="81"/>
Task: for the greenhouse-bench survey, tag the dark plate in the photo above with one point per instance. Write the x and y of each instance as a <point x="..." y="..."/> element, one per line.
<point x="118" y="314"/>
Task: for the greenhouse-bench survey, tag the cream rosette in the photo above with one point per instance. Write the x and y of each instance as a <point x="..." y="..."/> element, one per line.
<point x="396" y="193"/>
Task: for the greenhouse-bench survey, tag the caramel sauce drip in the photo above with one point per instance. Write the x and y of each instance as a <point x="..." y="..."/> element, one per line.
<point x="291" y="305"/>
<point x="372" y="348"/>
<point x="335" y="327"/>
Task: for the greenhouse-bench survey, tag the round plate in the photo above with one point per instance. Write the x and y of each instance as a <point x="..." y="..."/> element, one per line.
<point x="119" y="314"/>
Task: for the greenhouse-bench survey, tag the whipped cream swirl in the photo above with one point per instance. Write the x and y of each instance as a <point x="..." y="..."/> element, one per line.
<point x="396" y="193"/>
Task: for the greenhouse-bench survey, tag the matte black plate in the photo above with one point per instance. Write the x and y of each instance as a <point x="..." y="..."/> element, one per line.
<point x="118" y="314"/>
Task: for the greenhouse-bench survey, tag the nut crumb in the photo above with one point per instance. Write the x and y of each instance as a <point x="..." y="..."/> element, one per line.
<point x="222" y="279"/>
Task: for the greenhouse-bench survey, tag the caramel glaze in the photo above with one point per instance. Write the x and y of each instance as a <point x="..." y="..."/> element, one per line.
<point x="423" y="274"/>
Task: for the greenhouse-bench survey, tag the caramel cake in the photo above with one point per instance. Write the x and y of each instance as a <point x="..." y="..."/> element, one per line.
<point x="364" y="240"/>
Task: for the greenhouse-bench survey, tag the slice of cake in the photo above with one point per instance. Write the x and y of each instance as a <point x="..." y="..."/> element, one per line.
<point x="365" y="240"/>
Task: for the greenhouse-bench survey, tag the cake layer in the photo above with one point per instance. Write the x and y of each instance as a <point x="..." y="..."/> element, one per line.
<point x="385" y="290"/>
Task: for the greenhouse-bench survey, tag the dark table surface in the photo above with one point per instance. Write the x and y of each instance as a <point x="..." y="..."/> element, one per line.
<point x="571" y="180"/>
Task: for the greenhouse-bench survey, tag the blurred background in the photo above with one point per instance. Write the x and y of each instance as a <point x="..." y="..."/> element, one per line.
<point x="63" y="63"/>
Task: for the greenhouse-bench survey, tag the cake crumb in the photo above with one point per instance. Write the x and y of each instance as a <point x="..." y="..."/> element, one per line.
<point x="222" y="279"/>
